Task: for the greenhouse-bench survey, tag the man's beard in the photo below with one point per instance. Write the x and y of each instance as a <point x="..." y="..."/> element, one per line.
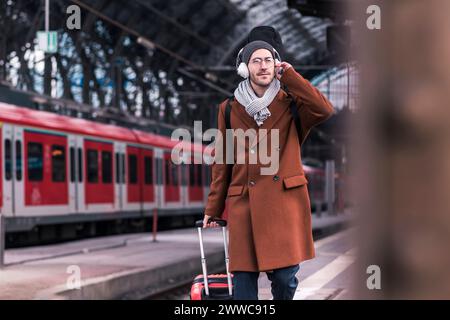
<point x="255" y="80"/>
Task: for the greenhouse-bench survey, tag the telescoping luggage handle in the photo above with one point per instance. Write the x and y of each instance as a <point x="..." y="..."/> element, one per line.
<point x="223" y="224"/>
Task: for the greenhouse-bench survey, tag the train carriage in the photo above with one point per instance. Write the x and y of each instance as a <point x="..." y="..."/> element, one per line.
<point x="58" y="170"/>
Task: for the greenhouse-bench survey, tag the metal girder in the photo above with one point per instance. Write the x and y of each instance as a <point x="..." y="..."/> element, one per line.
<point x="208" y="84"/>
<point x="333" y="9"/>
<point x="179" y="26"/>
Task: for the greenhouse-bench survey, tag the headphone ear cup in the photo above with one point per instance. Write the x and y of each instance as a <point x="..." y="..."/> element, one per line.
<point x="277" y="56"/>
<point x="238" y="58"/>
<point x="242" y="70"/>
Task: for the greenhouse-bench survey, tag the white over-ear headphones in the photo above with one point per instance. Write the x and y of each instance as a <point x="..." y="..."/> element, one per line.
<point x="242" y="68"/>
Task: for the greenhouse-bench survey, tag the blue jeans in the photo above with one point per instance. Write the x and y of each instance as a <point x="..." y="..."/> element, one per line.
<point x="284" y="284"/>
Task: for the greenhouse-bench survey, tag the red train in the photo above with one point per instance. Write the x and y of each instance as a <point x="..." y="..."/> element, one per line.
<point x="60" y="170"/>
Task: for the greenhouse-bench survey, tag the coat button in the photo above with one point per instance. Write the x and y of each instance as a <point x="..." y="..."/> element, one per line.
<point x="252" y="151"/>
<point x="252" y="183"/>
<point x="276" y="178"/>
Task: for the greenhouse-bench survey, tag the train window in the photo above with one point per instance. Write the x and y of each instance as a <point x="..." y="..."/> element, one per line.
<point x="18" y="160"/>
<point x="58" y="163"/>
<point x="174" y="174"/>
<point x="148" y="175"/>
<point x="209" y="174"/>
<point x="106" y="167"/>
<point x="8" y="166"/>
<point x="183" y="174"/>
<point x="132" y="168"/>
<point x="118" y="168"/>
<point x="122" y="163"/>
<point x="199" y="175"/>
<point x="72" y="164"/>
<point x="159" y="171"/>
<point x="206" y="175"/>
<point x="35" y="161"/>
<point x="80" y="165"/>
<point x="167" y="171"/>
<point x="191" y="174"/>
<point x="92" y="165"/>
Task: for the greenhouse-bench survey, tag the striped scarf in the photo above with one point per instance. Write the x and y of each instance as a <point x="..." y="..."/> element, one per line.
<point x="256" y="106"/>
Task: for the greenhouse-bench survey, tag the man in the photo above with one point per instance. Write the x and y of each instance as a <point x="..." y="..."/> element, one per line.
<point x="269" y="216"/>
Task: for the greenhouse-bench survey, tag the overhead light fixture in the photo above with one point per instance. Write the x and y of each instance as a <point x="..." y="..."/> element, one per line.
<point x="211" y="76"/>
<point x="39" y="100"/>
<point x="146" y="43"/>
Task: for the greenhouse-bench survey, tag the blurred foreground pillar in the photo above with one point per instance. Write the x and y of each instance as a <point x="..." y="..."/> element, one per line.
<point x="402" y="150"/>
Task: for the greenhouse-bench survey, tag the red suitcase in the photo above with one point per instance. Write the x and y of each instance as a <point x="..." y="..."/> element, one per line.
<point x="217" y="286"/>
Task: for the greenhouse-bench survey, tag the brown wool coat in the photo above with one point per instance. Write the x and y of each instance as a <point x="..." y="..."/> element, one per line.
<point x="269" y="216"/>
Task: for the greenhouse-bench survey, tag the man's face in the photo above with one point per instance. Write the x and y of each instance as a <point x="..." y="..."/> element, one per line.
<point x="261" y="67"/>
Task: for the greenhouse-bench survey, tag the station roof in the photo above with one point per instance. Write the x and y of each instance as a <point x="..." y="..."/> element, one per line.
<point x="208" y="33"/>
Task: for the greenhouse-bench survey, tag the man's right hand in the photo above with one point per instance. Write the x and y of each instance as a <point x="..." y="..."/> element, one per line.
<point x="281" y="66"/>
<point x="211" y="224"/>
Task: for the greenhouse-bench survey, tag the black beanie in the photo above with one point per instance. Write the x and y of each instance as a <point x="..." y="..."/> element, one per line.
<point x="252" y="47"/>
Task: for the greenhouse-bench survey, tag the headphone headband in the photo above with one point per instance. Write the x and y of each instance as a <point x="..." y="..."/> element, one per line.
<point x="239" y="56"/>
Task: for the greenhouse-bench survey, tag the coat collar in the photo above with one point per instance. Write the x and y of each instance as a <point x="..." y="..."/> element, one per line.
<point x="277" y="108"/>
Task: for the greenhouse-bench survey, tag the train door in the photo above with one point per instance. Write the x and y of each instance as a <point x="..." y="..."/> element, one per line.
<point x="159" y="187"/>
<point x="148" y="182"/>
<point x="119" y="165"/>
<point x="42" y="188"/>
<point x="171" y="182"/>
<point x="7" y="170"/>
<point x="208" y="160"/>
<point x="195" y="188"/>
<point x="134" y="175"/>
<point x="72" y="165"/>
<point x="99" y="186"/>
<point x="184" y="191"/>
<point x="206" y="180"/>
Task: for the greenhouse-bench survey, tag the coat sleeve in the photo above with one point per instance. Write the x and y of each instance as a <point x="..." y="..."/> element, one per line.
<point x="313" y="106"/>
<point x="215" y="204"/>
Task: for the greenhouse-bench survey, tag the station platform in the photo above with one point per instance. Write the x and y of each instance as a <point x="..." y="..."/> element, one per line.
<point x="132" y="266"/>
<point x="330" y="275"/>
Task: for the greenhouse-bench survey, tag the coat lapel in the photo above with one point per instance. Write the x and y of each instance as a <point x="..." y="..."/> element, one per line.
<point x="243" y="117"/>
<point x="277" y="108"/>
